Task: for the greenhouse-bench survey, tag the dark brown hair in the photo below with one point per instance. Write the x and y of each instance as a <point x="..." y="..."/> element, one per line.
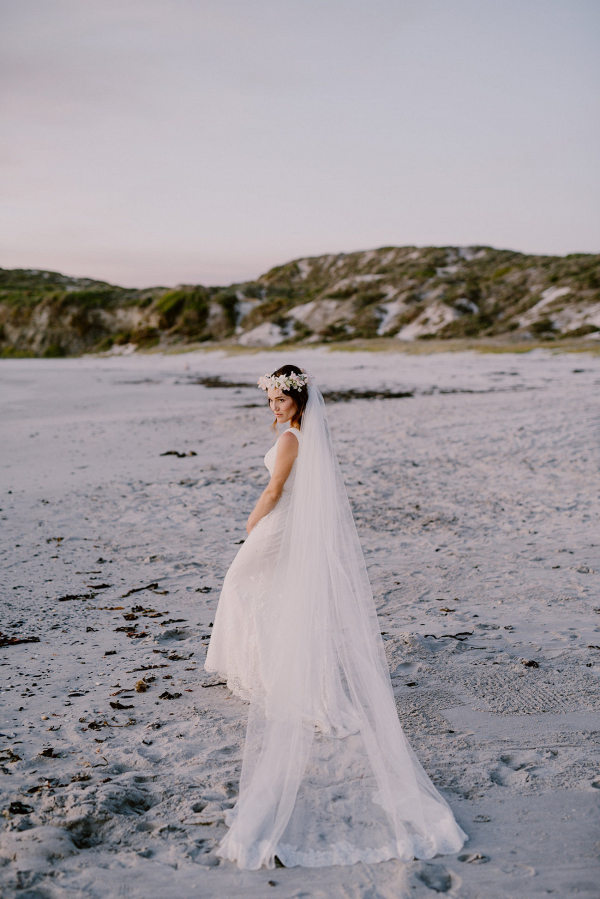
<point x="300" y="397"/>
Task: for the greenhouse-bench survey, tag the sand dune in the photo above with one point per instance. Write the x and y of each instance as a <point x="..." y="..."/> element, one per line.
<point x="125" y="486"/>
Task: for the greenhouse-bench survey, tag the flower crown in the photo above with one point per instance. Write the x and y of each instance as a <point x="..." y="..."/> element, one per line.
<point x="293" y="381"/>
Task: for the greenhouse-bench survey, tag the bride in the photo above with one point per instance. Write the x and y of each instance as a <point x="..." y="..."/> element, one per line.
<point x="328" y="777"/>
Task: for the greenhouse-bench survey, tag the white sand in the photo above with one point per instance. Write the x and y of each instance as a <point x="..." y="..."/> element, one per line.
<point x="483" y="503"/>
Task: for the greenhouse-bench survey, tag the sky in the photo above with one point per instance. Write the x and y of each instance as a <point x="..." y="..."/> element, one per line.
<point x="159" y="142"/>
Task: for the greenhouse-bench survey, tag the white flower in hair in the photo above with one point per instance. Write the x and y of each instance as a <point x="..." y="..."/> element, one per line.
<point x="264" y="382"/>
<point x="293" y="381"/>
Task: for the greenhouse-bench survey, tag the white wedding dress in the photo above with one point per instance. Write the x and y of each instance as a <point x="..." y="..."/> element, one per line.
<point x="328" y="777"/>
<point x="233" y="650"/>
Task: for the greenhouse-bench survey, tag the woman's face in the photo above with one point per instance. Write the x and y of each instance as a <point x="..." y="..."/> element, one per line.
<point x="282" y="406"/>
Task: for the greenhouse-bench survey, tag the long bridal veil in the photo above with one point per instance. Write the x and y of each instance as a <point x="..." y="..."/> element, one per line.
<point x="327" y="777"/>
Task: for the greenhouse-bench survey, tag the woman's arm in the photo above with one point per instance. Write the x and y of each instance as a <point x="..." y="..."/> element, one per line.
<point x="287" y="450"/>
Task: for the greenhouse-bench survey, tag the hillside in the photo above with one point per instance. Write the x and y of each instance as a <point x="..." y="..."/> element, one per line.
<point x="407" y="293"/>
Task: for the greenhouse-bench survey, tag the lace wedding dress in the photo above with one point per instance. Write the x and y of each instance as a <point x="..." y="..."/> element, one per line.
<point x="328" y="777"/>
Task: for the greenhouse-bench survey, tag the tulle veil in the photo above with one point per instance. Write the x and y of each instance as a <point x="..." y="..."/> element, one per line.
<point x="327" y="775"/>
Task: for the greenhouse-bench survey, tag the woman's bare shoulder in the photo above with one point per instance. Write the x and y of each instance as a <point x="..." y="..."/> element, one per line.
<point x="289" y="442"/>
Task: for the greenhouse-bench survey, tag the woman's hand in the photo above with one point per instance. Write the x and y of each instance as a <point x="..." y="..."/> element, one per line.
<point x="251" y="523"/>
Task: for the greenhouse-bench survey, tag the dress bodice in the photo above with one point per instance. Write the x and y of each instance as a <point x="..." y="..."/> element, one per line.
<point x="271" y="456"/>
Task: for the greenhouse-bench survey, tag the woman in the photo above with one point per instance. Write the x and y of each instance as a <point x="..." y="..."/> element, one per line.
<point x="327" y="777"/>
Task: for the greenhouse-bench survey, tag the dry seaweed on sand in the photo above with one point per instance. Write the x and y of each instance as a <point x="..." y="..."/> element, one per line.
<point x="15" y="641"/>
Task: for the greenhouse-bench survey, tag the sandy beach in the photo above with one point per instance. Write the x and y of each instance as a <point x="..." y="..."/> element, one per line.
<point x="125" y="484"/>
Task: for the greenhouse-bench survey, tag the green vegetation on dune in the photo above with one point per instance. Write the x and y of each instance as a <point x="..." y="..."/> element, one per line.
<point x="446" y="293"/>
<point x="486" y="291"/>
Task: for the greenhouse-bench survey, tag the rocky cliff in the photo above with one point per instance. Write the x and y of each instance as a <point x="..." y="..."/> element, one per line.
<point x="405" y="293"/>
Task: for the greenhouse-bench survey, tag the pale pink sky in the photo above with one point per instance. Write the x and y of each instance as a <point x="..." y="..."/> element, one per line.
<point x="185" y="141"/>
